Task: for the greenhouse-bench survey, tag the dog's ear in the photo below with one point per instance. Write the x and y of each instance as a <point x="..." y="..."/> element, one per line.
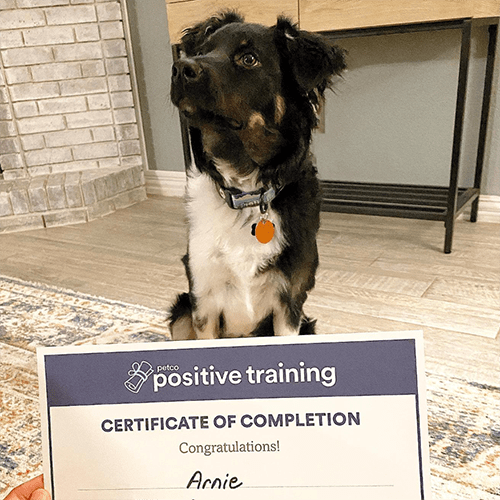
<point x="312" y="59"/>
<point x="194" y="37"/>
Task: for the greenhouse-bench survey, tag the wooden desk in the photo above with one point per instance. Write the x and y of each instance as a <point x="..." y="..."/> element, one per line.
<point x="349" y="18"/>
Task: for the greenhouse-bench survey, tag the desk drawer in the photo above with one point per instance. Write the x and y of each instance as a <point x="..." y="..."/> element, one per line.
<point x="323" y="15"/>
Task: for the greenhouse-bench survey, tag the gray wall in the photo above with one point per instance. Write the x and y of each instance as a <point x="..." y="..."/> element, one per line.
<point x="389" y="120"/>
<point x="153" y="59"/>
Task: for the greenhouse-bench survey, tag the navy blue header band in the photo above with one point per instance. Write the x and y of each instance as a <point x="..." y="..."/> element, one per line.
<point x="379" y="367"/>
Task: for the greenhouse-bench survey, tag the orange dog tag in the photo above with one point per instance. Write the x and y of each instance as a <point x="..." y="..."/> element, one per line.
<point x="264" y="231"/>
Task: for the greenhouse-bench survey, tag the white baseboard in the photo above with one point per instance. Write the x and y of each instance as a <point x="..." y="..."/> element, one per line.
<point x="167" y="183"/>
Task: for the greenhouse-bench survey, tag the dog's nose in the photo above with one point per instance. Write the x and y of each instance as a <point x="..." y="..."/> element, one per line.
<point x="188" y="70"/>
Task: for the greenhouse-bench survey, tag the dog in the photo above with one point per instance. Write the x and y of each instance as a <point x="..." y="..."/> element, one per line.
<point x="250" y="95"/>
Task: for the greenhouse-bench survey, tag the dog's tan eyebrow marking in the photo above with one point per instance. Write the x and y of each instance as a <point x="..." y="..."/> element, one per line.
<point x="246" y="44"/>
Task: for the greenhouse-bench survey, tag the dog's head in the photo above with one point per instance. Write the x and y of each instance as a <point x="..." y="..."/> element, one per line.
<point x="252" y="90"/>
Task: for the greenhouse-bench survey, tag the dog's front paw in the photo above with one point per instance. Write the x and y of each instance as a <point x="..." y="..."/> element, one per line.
<point x="205" y="327"/>
<point x="205" y="335"/>
<point x="286" y="331"/>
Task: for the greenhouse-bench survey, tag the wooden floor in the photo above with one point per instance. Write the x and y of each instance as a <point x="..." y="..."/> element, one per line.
<point x="376" y="274"/>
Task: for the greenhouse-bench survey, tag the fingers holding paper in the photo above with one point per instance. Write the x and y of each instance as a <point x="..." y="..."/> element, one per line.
<point x="31" y="490"/>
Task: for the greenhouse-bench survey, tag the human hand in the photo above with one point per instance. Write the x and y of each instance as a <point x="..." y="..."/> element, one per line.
<point x="31" y="490"/>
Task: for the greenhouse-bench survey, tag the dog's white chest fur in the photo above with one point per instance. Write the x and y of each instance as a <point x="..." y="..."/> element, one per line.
<point x="227" y="262"/>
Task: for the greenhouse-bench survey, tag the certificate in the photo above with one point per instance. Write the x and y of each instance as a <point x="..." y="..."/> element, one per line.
<point x="315" y="417"/>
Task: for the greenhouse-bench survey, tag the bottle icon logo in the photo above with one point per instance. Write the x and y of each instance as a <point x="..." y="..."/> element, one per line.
<point x="139" y="373"/>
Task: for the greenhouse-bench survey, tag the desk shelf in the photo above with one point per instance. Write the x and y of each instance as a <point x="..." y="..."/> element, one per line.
<point x="393" y="200"/>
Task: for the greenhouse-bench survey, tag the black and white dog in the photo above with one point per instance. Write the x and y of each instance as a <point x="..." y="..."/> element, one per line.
<point x="250" y="94"/>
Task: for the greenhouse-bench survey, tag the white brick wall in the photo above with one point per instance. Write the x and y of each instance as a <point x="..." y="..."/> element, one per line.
<point x="66" y="102"/>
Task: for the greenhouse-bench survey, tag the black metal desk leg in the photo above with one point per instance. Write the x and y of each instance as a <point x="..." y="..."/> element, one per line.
<point x="485" y="111"/>
<point x="457" y="135"/>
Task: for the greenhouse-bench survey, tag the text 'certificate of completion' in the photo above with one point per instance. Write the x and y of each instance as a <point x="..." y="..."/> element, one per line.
<point x="316" y="417"/>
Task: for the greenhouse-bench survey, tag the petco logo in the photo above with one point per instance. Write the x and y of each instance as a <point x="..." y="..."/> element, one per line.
<point x="139" y="373"/>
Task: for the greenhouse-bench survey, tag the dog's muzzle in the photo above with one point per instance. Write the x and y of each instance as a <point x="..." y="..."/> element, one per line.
<point x="190" y="92"/>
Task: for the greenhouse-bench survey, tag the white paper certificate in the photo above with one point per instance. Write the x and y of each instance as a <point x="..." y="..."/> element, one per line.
<point x="316" y="417"/>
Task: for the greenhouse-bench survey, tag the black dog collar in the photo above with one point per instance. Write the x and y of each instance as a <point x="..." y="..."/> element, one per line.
<point x="238" y="200"/>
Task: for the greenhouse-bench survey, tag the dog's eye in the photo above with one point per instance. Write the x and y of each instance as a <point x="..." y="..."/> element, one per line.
<point x="248" y="60"/>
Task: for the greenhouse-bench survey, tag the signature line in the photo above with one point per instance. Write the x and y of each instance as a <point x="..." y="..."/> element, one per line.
<point x="248" y="487"/>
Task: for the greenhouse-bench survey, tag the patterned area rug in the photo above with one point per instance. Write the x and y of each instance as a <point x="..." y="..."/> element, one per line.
<point x="464" y="426"/>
